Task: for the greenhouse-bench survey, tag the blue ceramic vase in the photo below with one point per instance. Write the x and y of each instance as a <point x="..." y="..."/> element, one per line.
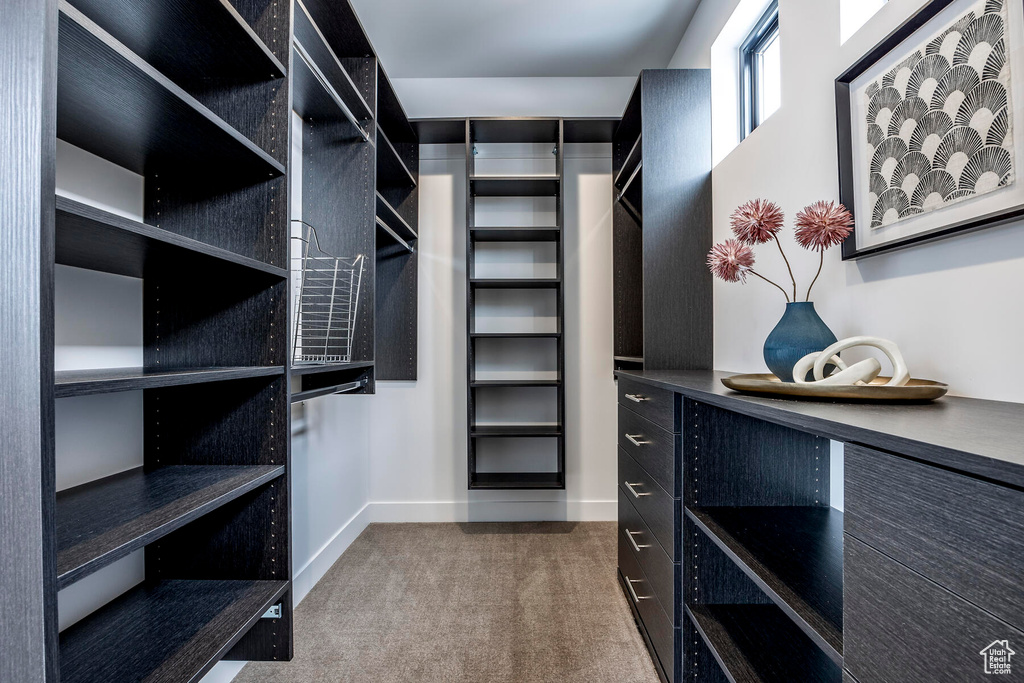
<point x="799" y="333"/>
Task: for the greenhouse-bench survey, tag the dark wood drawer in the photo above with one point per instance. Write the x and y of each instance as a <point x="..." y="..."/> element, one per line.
<point x="652" y="447"/>
<point x="656" y="507"/>
<point x="966" y="535"/>
<point x="657" y="566"/>
<point x="656" y="623"/>
<point x="660" y="406"/>
<point x="904" y="628"/>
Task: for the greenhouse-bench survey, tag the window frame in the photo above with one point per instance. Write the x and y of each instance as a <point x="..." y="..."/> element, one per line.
<point x="764" y="32"/>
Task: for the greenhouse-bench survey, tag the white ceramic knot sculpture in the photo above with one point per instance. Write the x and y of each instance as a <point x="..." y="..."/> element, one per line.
<point x="861" y="372"/>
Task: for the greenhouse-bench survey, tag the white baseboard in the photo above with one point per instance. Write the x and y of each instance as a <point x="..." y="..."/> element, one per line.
<point x="307" y="576"/>
<point x="496" y="511"/>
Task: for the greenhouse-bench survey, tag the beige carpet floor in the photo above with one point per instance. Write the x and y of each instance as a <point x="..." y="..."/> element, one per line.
<point x="474" y="603"/>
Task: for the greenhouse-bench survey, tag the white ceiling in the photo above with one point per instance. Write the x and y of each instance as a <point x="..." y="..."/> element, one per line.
<point x="498" y="38"/>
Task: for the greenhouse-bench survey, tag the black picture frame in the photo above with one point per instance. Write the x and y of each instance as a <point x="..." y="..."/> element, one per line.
<point x="844" y="126"/>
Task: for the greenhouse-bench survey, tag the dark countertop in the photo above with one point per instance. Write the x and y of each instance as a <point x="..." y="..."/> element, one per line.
<point x="984" y="438"/>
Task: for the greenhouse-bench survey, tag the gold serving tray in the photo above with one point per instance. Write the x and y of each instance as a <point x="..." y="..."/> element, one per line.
<point x="914" y="390"/>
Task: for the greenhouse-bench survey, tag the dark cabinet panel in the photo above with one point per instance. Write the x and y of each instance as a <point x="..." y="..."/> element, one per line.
<point x="657" y="566"/>
<point x="965" y="534"/>
<point x="639" y="592"/>
<point x="658" y="509"/>
<point x="660" y="406"/>
<point x="652" y="447"/>
<point x="899" y="627"/>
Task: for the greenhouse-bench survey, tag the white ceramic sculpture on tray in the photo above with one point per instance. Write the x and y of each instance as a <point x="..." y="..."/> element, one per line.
<point x="861" y="372"/>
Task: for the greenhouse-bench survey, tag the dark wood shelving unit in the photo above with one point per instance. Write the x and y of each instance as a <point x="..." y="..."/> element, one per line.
<point x="661" y="226"/>
<point x="104" y="520"/>
<point x="515" y="130"/>
<point x="758" y="644"/>
<point x="360" y="170"/>
<point x="91" y="238"/>
<point x="515" y="186"/>
<point x="523" y="234"/>
<point x="794" y="554"/>
<point x="173" y="630"/>
<point x="514" y="335"/>
<point x="112" y="103"/>
<point x="194" y="97"/>
<point x="107" y="381"/>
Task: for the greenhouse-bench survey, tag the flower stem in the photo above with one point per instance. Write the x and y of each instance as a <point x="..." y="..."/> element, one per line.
<point x="793" y="279"/>
<point x="821" y="262"/>
<point x="753" y="272"/>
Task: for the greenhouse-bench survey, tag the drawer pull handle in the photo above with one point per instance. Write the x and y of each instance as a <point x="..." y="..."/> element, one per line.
<point x="633" y="490"/>
<point x="629" y="535"/>
<point x="633" y="439"/>
<point x="629" y="585"/>
<point x="637" y="398"/>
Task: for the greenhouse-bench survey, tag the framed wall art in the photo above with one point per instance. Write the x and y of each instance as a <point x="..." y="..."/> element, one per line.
<point x="931" y="127"/>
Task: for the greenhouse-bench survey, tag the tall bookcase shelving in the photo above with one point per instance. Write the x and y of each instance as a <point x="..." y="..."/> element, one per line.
<point x="360" y="168"/>
<point x="192" y="96"/>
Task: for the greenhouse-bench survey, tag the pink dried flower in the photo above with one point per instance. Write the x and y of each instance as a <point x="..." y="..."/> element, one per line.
<point x="822" y="225"/>
<point x="757" y="221"/>
<point x="731" y="260"/>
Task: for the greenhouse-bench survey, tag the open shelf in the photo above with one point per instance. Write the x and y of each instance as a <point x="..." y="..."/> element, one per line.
<point x="391" y="116"/>
<point x="794" y="554"/>
<point x="104" y="520"/>
<point x="478" y="383"/>
<point x="87" y="237"/>
<point x="533" y="430"/>
<point x="515" y="335"/>
<point x="311" y="369"/>
<point x="391" y="168"/>
<point x="632" y="164"/>
<point x="319" y="72"/>
<point x="187" y="39"/>
<point x="112" y="103"/>
<point x="517" y="480"/>
<point x="632" y="194"/>
<point x="164" y="630"/>
<point x="759" y="644"/>
<point x="515" y="283"/>
<point x="391" y="233"/>
<point x="639" y="360"/>
<point x="521" y="129"/>
<point x="107" y="381"/>
<point x="340" y="388"/>
<point x="509" y="234"/>
<point x="514" y="186"/>
<point x="394" y="220"/>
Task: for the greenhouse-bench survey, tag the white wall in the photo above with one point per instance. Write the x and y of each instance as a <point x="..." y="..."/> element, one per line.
<point x="952" y="306"/>
<point x="418" y="468"/>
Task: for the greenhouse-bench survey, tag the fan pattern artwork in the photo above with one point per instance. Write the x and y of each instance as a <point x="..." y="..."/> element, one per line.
<point x="939" y="123"/>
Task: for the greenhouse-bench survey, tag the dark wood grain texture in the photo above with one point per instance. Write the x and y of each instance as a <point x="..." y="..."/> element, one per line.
<point x="538" y="430"/>
<point x="95" y="239"/>
<point x="84" y="382"/>
<point x="657" y="450"/>
<point x="104" y="520"/>
<point x="28" y="610"/>
<point x="735" y="460"/>
<point x="660" y="406"/>
<point x="515" y="186"/>
<point x="517" y="480"/>
<point x="164" y="630"/>
<point x="515" y="234"/>
<point x="188" y="40"/>
<point x="340" y="26"/>
<point x="660" y="570"/>
<point x="515" y="283"/>
<point x="113" y="104"/>
<point x="311" y="43"/>
<point x="971" y="435"/>
<point x="638" y="620"/>
<point x="758" y="644"/>
<point x="441" y="131"/>
<point x="395" y="221"/>
<point x="795" y="555"/>
<point x="658" y="508"/>
<point x="640" y="594"/>
<point x="710" y="576"/>
<point x="966" y="535"/>
<point x="589" y="130"/>
<point x="899" y="626"/>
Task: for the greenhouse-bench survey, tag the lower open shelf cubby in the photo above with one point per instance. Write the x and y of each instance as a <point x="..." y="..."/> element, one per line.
<point x="173" y="630"/>
<point x="517" y="480"/>
<point x="759" y="644"/>
<point x="104" y="520"/>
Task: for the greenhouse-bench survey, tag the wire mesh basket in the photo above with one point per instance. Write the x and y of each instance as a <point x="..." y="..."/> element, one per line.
<point x="326" y="302"/>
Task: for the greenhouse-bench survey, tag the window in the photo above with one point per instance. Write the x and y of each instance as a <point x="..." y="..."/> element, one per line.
<point x="761" y="71"/>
